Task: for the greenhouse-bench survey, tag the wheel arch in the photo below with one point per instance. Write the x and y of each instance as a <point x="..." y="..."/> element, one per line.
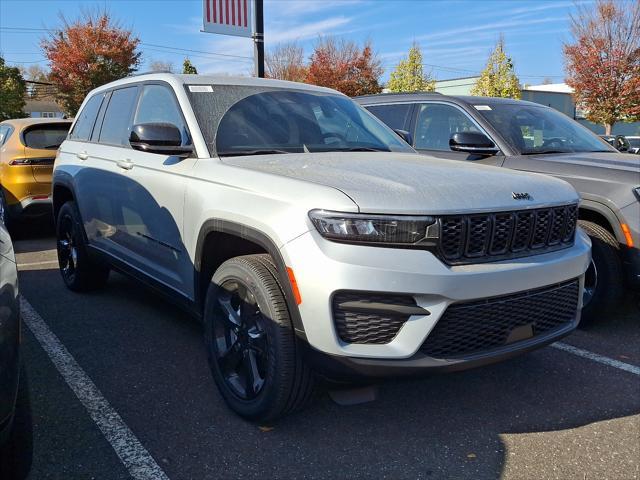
<point x="219" y="240"/>
<point x="62" y="191"/>
<point x="603" y="216"/>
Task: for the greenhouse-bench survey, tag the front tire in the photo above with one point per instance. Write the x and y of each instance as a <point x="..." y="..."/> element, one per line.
<point x="79" y="271"/>
<point x="604" y="284"/>
<point x="251" y="343"/>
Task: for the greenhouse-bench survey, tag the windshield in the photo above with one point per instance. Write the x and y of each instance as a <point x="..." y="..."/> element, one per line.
<point x="539" y="130"/>
<point x="247" y="120"/>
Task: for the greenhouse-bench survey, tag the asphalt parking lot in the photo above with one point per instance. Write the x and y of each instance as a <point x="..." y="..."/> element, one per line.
<point x="553" y="414"/>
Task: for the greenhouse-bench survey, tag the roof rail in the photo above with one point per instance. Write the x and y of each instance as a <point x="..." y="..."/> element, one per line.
<point x="398" y="93"/>
<point x="137" y="74"/>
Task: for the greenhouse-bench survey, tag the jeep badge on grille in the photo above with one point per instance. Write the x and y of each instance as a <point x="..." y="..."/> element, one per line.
<point x="521" y="196"/>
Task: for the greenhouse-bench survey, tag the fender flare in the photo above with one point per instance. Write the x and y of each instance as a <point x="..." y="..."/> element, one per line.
<point x="264" y="241"/>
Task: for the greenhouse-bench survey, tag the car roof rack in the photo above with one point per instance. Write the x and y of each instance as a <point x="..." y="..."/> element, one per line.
<point x="390" y="94"/>
<point x="149" y="72"/>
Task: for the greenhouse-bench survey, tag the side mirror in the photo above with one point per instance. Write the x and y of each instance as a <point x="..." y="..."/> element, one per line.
<point x="472" y="142"/>
<point x="403" y="134"/>
<point x="160" y="138"/>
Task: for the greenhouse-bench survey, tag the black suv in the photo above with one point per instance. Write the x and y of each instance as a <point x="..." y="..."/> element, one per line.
<point x="535" y="138"/>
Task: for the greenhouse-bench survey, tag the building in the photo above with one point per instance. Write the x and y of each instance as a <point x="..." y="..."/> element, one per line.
<point x="44" y="108"/>
<point x="554" y="95"/>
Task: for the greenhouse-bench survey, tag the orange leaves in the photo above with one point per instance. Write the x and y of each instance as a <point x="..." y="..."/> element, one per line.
<point x="87" y="53"/>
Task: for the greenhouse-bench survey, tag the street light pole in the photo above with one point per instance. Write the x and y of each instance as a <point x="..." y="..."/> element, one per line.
<point x="258" y="39"/>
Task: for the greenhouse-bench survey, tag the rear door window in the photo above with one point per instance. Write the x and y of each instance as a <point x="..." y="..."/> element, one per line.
<point x="86" y="119"/>
<point x="45" y="137"/>
<point x="396" y="116"/>
<point x="117" y="119"/>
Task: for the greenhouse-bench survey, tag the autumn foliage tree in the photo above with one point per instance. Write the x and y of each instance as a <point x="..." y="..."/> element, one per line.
<point x="409" y="75"/>
<point x="603" y="62"/>
<point x="498" y="79"/>
<point x="344" y="66"/>
<point x="87" y="53"/>
<point x="286" y="62"/>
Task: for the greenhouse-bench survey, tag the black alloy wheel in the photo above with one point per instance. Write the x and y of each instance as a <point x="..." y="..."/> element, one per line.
<point x="67" y="248"/>
<point x="240" y="342"/>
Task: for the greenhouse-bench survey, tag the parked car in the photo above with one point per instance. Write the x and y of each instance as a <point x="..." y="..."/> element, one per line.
<point x="531" y="137"/>
<point x="308" y="237"/>
<point x="27" y="151"/>
<point x="634" y="143"/>
<point x="15" y="425"/>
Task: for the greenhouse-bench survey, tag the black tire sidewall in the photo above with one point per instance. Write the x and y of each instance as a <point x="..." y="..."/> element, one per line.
<point x="279" y="332"/>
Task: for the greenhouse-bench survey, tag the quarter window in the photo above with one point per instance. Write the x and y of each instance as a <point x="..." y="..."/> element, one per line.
<point x="86" y="119"/>
<point x="396" y="116"/>
<point x="158" y="105"/>
<point x="437" y="123"/>
<point x="5" y="132"/>
<point x="117" y="119"/>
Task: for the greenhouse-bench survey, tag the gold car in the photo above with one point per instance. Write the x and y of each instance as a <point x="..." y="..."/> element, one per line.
<point x="27" y="151"/>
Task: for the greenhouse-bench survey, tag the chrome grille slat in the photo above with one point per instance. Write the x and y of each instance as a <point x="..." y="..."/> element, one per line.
<point x="493" y="236"/>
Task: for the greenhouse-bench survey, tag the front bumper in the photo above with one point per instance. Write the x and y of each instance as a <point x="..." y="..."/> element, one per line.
<point x="353" y="369"/>
<point x="321" y="268"/>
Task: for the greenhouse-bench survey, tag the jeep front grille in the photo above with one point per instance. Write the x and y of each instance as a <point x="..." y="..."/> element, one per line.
<point x="479" y="325"/>
<point x="493" y="236"/>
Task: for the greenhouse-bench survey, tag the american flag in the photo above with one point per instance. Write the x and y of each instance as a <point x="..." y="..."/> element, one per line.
<point x="234" y="13"/>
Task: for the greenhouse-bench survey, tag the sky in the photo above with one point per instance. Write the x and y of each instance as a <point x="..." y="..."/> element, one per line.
<point x="456" y="36"/>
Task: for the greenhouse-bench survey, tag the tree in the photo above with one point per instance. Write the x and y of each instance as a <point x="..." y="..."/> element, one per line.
<point x="188" y="67"/>
<point x="603" y="62"/>
<point x="409" y="75"/>
<point x="498" y="78"/>
<point x="286" y="62"/>
<point x="160" y="66"/>
<point x="12" y="92"/>
<point x="41" y="88"/>
<point x="345" y="67"/>
<point x="87" y="53"/>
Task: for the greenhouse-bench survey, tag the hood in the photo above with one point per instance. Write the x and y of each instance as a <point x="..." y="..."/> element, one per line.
<point x="615" y="167"/>
<point x="380" y="182"/>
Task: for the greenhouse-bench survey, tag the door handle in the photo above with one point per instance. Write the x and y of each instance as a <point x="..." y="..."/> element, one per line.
<point x="82" y="155"/>
<point x="126" y="164"/>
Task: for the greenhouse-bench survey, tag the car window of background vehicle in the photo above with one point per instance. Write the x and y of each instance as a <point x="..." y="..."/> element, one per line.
<point x="396" y="116"/>
<point x="437" y="123"/>
<point x="532" y="130"/>
<point x="46" y="136"/>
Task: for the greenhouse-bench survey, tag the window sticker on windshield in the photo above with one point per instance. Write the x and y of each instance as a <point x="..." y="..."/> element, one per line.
<point x="200" y="88"/>
<point x="482" y="107"/>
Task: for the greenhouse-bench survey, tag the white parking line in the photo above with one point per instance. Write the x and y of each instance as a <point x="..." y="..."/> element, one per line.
<point x="137" y="460"/>
<point x="38" y="264"/>
<point x="627" y="367"/>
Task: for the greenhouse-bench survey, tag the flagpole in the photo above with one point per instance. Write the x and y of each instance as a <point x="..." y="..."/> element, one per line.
<point x="258" y="38"/>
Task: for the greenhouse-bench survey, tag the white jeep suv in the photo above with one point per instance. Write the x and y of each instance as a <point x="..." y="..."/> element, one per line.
<point x="308" y="237"/>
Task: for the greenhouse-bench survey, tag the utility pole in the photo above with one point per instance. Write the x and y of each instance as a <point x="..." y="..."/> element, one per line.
<point x="258" y="39"/>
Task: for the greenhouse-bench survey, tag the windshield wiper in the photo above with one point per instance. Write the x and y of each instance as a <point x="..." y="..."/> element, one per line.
<point x="543" y="152"/>
<point x="361" y="149"/>
<point x="240" y="153"/>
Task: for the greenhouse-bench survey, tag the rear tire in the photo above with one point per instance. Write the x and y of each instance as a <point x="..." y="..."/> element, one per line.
<point x="79" y="271"/>
<point x="604" y="277"/>
<point x="250" y="341"/>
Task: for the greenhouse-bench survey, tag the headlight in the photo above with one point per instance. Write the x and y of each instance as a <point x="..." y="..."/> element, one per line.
<point x="398" y="230"/>
<point x="637" y="192"/>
